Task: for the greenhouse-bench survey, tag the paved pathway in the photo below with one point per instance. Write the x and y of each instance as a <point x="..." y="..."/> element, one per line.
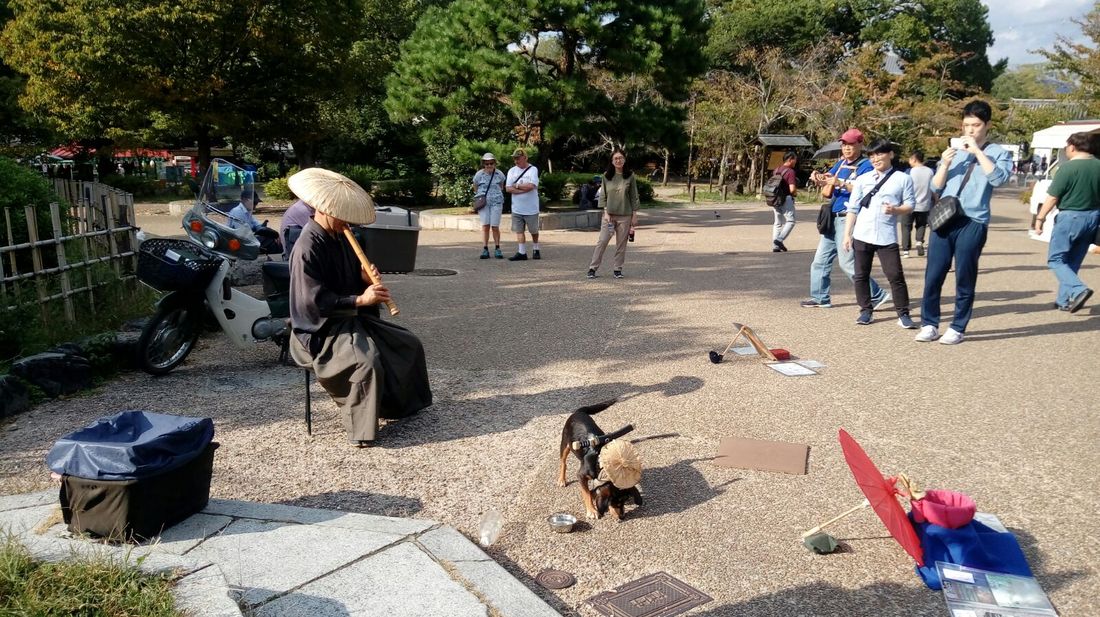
<point x="283" y="561"/>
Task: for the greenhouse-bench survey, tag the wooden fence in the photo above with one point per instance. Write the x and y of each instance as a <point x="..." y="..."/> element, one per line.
<point x="93" y="225"/>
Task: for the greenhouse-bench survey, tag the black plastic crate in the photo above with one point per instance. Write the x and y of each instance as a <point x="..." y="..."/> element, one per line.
<point x="171" y="265"/>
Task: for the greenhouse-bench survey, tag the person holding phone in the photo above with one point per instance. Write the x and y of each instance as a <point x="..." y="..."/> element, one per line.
<point x="871" y="228"/>
<point x="968" y="173"/>
<point x="836" y="185"/>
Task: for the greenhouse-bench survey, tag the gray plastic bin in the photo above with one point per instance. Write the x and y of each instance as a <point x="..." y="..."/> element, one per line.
<point x="390" y="242"/>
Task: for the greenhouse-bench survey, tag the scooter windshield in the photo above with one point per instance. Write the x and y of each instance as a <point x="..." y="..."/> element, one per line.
<point x="221" y="219"/>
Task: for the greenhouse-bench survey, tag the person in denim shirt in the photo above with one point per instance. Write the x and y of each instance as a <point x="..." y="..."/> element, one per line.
<point x="841" y="178"/>
<point x="962" y="239"/>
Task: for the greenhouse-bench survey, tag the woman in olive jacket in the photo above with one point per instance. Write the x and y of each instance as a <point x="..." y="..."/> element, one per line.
<point x="619" y="200"/>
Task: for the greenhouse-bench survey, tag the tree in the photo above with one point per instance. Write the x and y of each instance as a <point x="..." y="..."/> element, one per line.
<point x="1027" y="81"/>
<point x="956" y="27"/>
<point x="1080" y="60"/>
<point x="917" y="108"/>
<point x="905" y="28"/>
<point x="774" y="91"/>
<point x="540" y="63"/>
<point x="137" y="69"/>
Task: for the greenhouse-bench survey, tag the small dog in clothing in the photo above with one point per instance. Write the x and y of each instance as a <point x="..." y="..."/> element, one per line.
<point x="610" y="462"/>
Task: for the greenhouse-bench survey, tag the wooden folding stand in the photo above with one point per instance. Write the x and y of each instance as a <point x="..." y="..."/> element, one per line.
<point x="753" y="340"/>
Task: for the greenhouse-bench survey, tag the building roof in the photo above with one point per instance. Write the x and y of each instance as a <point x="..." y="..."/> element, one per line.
<point x="784" y="140"/>
<point x="1056" y="136"/>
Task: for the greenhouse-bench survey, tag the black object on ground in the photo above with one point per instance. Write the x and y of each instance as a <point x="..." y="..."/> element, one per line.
<point x="656" y="595"/>
<point x="555" y="579"/>
<point x="433" y="272"/>
<point x="716" y="357"/>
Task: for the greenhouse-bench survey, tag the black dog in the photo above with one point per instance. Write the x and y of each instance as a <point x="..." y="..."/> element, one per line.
<point x="579" y="426"/>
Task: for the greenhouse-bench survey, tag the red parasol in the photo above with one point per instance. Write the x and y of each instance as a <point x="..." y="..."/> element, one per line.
<point x="882" y="494"/>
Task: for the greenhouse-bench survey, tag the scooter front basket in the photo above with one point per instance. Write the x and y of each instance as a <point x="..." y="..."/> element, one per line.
<point x="175" y="265"/>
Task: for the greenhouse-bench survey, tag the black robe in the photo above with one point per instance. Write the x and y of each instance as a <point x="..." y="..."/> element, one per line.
<point x="371" y="367"/>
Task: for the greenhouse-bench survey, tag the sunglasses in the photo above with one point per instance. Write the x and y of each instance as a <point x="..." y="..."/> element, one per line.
<point x="488" y="163"/>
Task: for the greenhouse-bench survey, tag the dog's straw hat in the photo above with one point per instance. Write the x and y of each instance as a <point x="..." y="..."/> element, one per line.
<point x="620" y="463"/>
<point x="333" y="194"/>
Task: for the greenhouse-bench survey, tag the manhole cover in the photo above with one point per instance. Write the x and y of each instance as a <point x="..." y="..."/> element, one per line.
<point x="555" y="579"/>
<point x="656" y="595"/>
<point x="434" y="272"/>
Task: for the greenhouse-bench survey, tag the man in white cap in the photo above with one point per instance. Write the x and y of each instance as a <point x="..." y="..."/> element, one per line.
<point x="370" y="367"/>
<point x="523" y="184"/>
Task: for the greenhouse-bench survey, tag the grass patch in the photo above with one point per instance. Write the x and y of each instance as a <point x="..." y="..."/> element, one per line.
<point x="90" y="587"/>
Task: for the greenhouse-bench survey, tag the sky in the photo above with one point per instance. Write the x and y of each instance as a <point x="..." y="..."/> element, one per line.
<point x="1020" y="26"/>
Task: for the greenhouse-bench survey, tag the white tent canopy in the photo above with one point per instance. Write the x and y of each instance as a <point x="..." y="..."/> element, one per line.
<point x="1055" y="137"/>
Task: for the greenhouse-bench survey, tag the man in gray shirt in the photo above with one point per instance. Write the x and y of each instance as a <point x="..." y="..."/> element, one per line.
<point x="922" y="186"/>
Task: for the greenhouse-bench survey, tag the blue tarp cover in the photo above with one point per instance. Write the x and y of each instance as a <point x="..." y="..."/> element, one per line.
<point x="130" y="445"/>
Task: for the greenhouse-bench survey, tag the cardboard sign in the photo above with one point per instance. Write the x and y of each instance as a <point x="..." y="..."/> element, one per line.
<point x="792" y="458"/>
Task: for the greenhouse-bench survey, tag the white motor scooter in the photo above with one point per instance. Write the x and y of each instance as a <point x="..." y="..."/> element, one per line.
<point x="195" y="271"/>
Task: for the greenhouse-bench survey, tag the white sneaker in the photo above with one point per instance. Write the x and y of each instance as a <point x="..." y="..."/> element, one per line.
<point x="905" y="254"/>
<point x="927" y="334"/>
<point x="951" y="337"/>
<point x="881" y="303"/>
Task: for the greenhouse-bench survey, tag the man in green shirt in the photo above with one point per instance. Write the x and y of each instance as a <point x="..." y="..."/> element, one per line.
<point x="1075" y="190"/>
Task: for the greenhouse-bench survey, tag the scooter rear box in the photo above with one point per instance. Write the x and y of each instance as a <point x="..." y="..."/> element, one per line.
<point x="135" y="510"/>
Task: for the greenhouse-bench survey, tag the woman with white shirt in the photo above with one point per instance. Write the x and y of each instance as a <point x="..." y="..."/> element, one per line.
<point x="872" y="229"/>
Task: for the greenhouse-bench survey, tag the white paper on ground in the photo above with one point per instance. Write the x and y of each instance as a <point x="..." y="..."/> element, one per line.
<point x="744" y="351"/>
<point x="810" y="363"/>
<point x="790" y="369"/>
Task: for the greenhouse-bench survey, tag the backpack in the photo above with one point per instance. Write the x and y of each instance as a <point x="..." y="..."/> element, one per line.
<point x="775" y="190"/>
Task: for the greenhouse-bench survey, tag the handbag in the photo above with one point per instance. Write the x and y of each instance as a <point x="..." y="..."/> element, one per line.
<point x="948" y="208"/>
<point x="826" y="220"/>
<point x="481" y="200"/>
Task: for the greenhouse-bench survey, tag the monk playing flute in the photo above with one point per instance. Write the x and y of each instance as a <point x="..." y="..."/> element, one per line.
<point x="370" y="367"/>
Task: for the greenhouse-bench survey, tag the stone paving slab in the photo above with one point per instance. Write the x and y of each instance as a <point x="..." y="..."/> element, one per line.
<point x="28" y="500"/>
<point x="380" y="585"/>
<point x="315" y="516"/>
<point x="286" y="561"/>
<point x="266" y="558"/>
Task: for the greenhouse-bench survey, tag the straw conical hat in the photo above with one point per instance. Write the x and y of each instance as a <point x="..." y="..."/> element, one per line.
<point x="334" y="194"/>
<point x="620" y="464"/>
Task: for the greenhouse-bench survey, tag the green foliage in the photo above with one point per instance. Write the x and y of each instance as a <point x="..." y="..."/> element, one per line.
<point x="544" y="62"/>
<point x="21" y="186"/>
<point x="1081" y="61"/>
<point x="363" y="175"/>
<point x="139" y="186"/>
<point x="645" y="190"/>
<point x="1027" y="81"/>
<point x="97" y="349"/>
<point x="552" y="187"/>
<point x="455" y="160"/>
<point x="79" y="586"/>
<point x="411" y="191"/>
<point x="904" y="27"/>
<point x="277" y="189"/>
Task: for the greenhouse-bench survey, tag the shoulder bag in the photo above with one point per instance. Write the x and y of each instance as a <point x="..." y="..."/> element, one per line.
<point x="865" y="201"/>
<point x="949" y="208"/>
<point x="481" y="200"/>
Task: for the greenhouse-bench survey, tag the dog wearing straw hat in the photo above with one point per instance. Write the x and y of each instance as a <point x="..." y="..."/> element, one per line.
<point x="611" y="463"/>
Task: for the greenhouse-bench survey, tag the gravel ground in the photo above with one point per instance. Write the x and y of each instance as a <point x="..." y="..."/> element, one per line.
<point x="1007" y="417"/>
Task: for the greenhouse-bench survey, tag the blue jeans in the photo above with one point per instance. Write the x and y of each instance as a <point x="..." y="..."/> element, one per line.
<point x="1069" y="243"/>
<point x="828" y="250"/>
<point x="962" y="241"/>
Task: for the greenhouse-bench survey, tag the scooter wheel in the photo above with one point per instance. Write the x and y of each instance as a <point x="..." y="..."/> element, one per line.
<point x="168" y="337"/>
